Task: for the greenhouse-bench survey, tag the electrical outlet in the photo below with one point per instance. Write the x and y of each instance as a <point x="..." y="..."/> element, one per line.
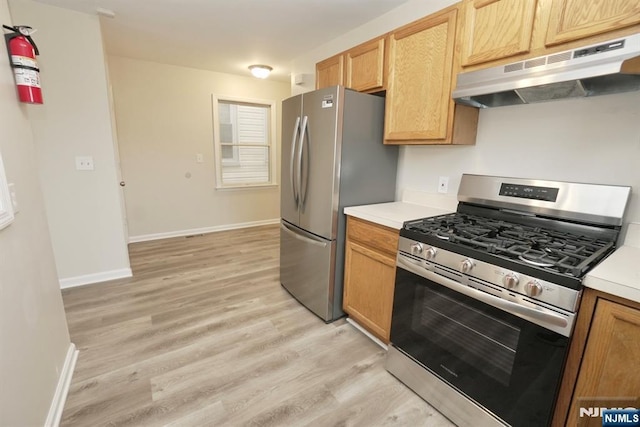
<point x="443" y="184"/>
<point x="84" y="163"/>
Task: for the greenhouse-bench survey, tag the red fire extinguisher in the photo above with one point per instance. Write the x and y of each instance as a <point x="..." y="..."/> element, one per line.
<point x="22" y="54"/>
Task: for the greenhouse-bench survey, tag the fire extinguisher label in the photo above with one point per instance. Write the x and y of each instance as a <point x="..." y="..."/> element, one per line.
<point x="24" y="61"/>
<point x="26" y="77"/>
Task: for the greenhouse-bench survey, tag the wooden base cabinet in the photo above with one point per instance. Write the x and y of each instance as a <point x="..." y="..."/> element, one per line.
<point x="604" y="358"/>
<point x="369" y="278"/>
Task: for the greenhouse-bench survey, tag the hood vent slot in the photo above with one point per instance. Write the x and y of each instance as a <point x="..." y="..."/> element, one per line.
<point x="514" y="67"/>
<point x="558" y="57"/>
<point x="535" y="62"/>
<point x="605" y="68"/>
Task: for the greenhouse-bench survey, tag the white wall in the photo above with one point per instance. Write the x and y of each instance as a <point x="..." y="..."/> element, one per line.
<point x="164" y="118"/>
<point x="33" y="331"/>
<point x="83" y="207"/>
<point x="593" y="140"/>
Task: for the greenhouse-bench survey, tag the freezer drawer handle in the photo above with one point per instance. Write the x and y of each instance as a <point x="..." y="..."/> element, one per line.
<point x="305" y="238"/>
<point x="296" y="128"/>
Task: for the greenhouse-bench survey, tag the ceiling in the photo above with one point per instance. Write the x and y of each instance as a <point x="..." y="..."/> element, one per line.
<point x="226" y="35"/>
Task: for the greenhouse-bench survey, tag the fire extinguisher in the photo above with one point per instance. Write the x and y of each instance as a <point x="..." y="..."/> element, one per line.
<point x="22" y="54"/>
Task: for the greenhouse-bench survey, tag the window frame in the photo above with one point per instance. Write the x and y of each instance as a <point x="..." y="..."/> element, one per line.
<point x="6" y="206"/>
<point x="271" y="146"/>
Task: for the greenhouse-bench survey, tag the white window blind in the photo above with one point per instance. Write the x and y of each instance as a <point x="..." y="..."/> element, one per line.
<point x="244" y="141"/>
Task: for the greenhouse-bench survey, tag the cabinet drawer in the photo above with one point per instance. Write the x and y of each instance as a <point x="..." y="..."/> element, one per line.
<point x="375" y="236"/>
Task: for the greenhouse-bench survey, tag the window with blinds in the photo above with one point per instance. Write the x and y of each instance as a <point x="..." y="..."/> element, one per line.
<point x="244" y="133"/>
<point x="6" y="208"/>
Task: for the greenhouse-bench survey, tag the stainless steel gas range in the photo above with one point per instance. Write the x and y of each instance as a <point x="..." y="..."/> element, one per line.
<point x="486" y="297"/>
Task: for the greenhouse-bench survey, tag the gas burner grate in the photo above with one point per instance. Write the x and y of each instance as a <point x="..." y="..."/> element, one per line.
<point x="552" y="250"/>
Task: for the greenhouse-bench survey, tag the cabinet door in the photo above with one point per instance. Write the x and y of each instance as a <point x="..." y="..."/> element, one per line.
<point x="365" y="66"/>
<point x="495" y="29"/>
<point x="330" y="72"/>
<point x="576" y="19"/>
<point x="418" y="101"/>
<point x="610" y="363"/>
<point x="368" y="288"/>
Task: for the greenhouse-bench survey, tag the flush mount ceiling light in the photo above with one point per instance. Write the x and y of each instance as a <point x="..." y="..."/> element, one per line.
<point x="260" y="71"/>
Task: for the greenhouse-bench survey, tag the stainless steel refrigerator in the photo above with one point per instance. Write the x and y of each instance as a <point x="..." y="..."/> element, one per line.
<point x="332" y="156"/>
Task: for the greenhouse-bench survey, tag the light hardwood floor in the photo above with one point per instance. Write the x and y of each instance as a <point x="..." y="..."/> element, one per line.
<point x="203" y="334"/>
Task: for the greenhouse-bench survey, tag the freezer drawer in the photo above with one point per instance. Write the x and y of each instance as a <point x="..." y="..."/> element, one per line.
<point x="307" y="269"/>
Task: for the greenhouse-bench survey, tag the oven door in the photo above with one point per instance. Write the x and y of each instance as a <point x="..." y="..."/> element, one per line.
<point x="509" y="365"/>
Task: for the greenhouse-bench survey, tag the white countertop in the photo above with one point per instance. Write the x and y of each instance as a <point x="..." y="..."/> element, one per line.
<point x="394" y="214"/>
<point x="619" y="274"/>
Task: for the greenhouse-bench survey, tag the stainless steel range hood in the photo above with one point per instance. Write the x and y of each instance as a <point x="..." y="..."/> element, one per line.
<point x="598" y="69"/>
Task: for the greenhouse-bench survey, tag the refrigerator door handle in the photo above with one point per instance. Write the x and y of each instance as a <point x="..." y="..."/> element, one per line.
<point x="296" y="128"/>
<point x="306" y="237"/>
<point x="303" y="138"/>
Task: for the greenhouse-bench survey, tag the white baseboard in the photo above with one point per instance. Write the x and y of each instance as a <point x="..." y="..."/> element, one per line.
<point x="62" y="389"/>
<point x="87" y="279"/>
<point x="367" y="333"/>
<point x="191" y="232"/>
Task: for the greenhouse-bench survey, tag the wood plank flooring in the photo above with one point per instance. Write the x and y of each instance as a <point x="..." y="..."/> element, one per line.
<point x="204" y="335"/>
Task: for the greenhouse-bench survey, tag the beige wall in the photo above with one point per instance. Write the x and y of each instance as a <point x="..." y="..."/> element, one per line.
<point x="33" y="331"/>
<point x="83" y="207"/>
<point x="163" y="116"/>
<point x="589" y="140"/>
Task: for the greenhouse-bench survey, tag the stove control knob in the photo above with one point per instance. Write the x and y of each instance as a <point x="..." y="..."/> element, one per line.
<point x="510" y="281"/>
<point x="467" y="265"/>
<point x="430" y="253"/>
<point x="416" y="248"/>
<point x="533" y="288"/>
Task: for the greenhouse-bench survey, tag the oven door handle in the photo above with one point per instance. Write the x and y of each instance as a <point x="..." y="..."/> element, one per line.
<point x="540" y="316"/>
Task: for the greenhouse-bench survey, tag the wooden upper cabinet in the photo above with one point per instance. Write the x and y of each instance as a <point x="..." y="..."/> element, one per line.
<point x="496" y="29"/>
<point x="365" y="66"/>
<point x="575" y="19"/>
<point x="418" y="103"/>
<point x="422" y="68"/>
<point x="330" y="72"/>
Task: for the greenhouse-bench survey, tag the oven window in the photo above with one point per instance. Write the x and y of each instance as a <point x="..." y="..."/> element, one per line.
<point x="506" y="364"/>
<point x="478" y="339"/>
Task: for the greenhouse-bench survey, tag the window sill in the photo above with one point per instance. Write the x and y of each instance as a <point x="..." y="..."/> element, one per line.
<point x="247" y="187"/>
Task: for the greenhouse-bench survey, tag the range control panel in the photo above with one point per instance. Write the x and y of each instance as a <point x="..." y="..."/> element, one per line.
<point x="547" y="194"/>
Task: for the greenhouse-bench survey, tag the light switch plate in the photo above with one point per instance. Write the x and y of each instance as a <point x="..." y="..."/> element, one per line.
<point x="199" y="158"/>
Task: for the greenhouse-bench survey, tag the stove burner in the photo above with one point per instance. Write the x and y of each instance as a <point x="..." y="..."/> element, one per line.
<point x="537" y="261"/>
<point x="557" y="251"/>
